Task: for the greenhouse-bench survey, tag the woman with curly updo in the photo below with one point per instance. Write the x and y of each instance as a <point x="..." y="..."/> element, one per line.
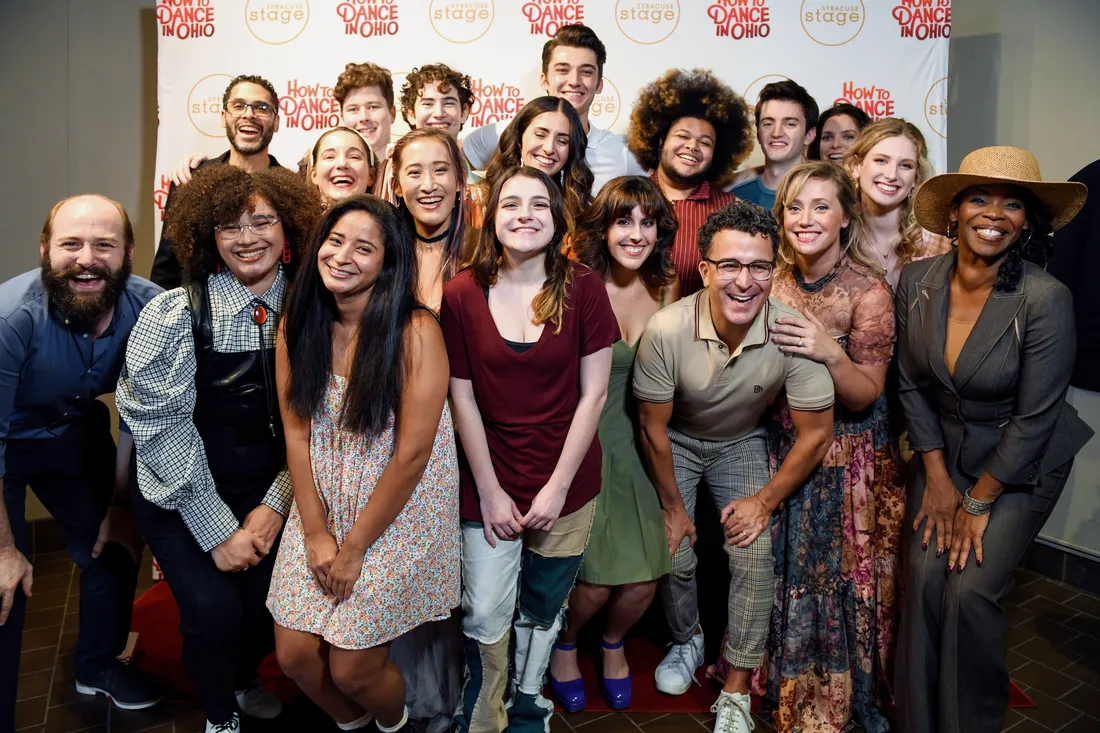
<point x="693" y="132"/>
<point x="197" y="390"/>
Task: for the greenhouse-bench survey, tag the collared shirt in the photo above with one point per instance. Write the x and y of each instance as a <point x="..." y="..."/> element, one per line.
<point x="156" y="397"/>
<point x="606" y="155"/>
<point x="50" y="370"/>
<point x="692" y="213"/>
<point x="718" y="395"/>
<point x="755" y="191"/>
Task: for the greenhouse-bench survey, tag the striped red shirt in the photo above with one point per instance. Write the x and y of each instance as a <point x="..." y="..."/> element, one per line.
<point x="692" y="212"/>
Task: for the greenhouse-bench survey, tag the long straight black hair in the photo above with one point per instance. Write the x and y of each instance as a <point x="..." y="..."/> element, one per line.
<point x="378" y="367"/>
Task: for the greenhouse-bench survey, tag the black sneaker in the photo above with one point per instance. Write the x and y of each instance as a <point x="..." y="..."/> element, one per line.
<point x="127" y="687"/>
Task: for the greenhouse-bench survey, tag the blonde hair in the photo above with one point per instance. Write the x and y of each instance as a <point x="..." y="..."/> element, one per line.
<point x="852" y="240"/>
<point x="910" y="233"/>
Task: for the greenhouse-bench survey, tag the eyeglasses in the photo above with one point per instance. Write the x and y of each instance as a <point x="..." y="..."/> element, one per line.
<point x="731" y="269"/>
<point x="263" y="110"/>
<point x="260" y="228"/>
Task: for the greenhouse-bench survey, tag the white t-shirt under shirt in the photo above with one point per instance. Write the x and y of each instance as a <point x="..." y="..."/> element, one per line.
<point x="607" y="154"/>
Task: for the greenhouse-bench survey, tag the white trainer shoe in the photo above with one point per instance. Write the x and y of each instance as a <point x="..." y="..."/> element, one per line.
<point x="734" y="712"/>
<point x="257" y="701"/>
<point x="675" y="674"/>
<point x="233" y="725"/>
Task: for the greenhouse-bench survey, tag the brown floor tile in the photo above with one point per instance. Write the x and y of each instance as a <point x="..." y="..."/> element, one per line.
<point x="133" y="721"/>
<point x="1086" y="603"/>
<point x="643" y="718"/>
<point x="65" y="668"/>
<point x="41" y="638"/>
<point x="49" y="599"/>
<point x="558" y="724"/>
<point x="1040" y="677"/>
<point x="67" y="641"/>
<point x="1046" y="629"/>
<point x="49" y="617"/>
<point x="1050" y="712"/>
<point x="37" y="660"/>
<point x="1085" y="671"/>
<point x="1083" y="724"/>
<point x="30" y="712"/>
<point x="1024" y="577"/>
<point x="1048" y="609"/>
<point x="1085" y="699"/>
<point x="63" y="692"/>
<point x="675" y="723"/>
<point x="49" y="583"/>
<point x="34" y="684"/>
<point x="77" y="716"/>
<point x="50" y="568"/>
<point x="51" y="556"/>
<point x="1017" y="615"/>
<point x="193" y="721"/>
<point x="1014" y="660"/>
<point x="1027" y="725"/>
<point x="578" y="720"/>
<point x="1011" y="718"/>
<point x="1086" y="624"/>
<point x="1050" y="655"/>
<point x="1055" y="591"/>
<point x="71" y="622"/>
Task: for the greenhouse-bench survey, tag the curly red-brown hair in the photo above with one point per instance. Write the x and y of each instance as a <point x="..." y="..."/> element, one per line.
<point x="701" y="95"/>
<point x="445" y="76"/>
<point x="219" y="194"/>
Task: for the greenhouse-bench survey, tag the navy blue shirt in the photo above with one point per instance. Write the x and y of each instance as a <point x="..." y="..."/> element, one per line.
<point x="50" y="373"/>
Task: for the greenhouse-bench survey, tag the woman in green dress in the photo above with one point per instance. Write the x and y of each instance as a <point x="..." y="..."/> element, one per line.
<point x="626" y="235"/>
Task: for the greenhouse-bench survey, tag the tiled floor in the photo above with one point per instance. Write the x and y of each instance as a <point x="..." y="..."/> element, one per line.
<point x="1054" y="654"/>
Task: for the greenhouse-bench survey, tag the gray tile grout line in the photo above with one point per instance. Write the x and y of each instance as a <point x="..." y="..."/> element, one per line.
<point x="53" y="670"/>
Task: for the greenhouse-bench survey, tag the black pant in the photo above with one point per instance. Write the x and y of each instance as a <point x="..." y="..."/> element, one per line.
<point x="226" y="627"/>
<point x="72" y="475"/>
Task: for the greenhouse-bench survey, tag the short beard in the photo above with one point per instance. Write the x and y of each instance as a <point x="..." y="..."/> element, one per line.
<point x="679" y="180"/>
<point x="84" y="310"/>
<point x="265" y="140"/>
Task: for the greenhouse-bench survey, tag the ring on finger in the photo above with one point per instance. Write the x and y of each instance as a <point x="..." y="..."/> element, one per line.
<point x="801" y="341"/>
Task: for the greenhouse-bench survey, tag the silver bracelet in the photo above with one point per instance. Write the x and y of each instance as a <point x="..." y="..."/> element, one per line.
<point x="974" y="506"/>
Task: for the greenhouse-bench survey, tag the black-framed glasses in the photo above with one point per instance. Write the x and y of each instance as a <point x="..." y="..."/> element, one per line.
<point x="263" y="110"/>
<point x="260" y="228"/>
<point x="730" y="269"/>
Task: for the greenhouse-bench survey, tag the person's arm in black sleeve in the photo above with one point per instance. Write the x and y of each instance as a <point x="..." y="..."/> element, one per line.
<point x="167" y="272"/>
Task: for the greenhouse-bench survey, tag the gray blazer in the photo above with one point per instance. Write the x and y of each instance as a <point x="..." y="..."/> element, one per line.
<point x="1005" y="410"/>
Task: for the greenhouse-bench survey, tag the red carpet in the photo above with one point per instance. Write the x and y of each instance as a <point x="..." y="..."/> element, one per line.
<point x="156" y="619"/>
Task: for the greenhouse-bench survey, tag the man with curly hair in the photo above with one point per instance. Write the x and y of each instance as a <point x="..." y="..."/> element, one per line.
<point x="692" y="131"/>
<point x="435" y="95"/>
<point x="365" y="95"/>
<point x="63" y="331"/>
<point x="572" y="69"/>
<point x="706" y="376"/>
<point x="250" y="115"/>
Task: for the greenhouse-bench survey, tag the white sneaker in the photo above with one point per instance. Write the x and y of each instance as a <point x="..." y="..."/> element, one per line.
<point x="257" y="701"/>
<point x="734" y="712"/>
<point x="675" y="674"/>
<point x="231" y="726"/>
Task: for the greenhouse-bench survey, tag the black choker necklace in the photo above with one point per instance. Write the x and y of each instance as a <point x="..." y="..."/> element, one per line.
<point x="817" y="285"/>
<point x="432" y="240"/>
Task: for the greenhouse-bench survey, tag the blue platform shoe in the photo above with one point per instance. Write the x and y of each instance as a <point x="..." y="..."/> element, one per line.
<point x="571" y="692"/>
<point x="618" y="692"/>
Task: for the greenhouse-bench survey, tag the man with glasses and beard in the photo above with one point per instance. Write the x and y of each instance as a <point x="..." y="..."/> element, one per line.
<point x="692" y="131"/>
<point x="250" y="115"/>
<point x="63" y="334"/>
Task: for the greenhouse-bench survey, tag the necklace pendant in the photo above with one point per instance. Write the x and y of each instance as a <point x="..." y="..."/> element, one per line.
<point x="259" y="315"/>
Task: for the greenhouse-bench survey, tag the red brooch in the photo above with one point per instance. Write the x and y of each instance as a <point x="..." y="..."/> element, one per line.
<point x="259" y="315"/>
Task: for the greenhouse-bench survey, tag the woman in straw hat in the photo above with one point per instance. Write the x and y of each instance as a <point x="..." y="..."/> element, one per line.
<point x="985" y="348"/>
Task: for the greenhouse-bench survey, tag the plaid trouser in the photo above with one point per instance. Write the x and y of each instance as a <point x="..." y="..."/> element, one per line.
<point x="732" y="470"/>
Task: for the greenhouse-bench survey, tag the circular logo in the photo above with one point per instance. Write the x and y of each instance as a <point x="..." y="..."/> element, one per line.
<point x="204" y="104"/>
<point x="276" y="23"/>
<point x="752" y="91"/>
<point x="647" y="21"/>
<point x="606" y="106"/>
<point x="832" y="22"/>
<point x="461" y="21"/>
<point x="935" y="107"/>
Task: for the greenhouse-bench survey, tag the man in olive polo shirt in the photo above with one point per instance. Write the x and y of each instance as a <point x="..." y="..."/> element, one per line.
<point x="707" y="372"/>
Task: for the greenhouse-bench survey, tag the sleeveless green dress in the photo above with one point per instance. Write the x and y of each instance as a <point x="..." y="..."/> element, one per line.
<point x="627" y="543"/>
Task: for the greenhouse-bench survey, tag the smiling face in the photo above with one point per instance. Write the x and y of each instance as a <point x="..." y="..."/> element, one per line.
<point x="736" y="301"/>
<point x="888" y="173"/>
<point x="524" y="221"/>
<point x="688" y="150"/>
<point x="782" y="131"/>
<point x="252" y="257"/>
<point x="990" y="218"/>
<point x="365" y="111"/>
<point x="428" y="183"/>
<point x="573" y="75"/>
<point x="250" y="132"/>
<point x="814" y="218"/>
<point x="439" y="109"/>
<point x="341" y="168"/>
<point x="631" y="239"/>
<point x="837" y="135"/>
<point x="352" y="255"/>
<point x="545" y="143"/>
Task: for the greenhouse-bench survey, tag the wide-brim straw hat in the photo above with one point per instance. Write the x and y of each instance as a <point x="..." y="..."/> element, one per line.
<point x="999" y="164"/>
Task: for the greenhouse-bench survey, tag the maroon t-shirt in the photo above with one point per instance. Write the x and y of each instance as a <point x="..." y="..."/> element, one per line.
<point x="527" y="400"/>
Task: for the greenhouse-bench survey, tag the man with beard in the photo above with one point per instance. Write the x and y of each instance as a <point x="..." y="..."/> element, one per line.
<point x="250" y="115"/>
<point x="63" y="334"/>
<point x="692" y="131"/>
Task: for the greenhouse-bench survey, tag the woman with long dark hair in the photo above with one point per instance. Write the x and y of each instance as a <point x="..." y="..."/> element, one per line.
<point x="529" y="336"/>
<point x="371" y="548"/>
<point x="548" y="135"/>
<point x="986" y="346"/>
<point x="837" y="130"/>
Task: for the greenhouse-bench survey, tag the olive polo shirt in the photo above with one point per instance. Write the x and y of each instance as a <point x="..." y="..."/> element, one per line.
<point x="717" y="395"/>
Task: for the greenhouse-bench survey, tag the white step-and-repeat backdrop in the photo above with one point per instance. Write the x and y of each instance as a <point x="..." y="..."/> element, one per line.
<point x="888" y="57"/>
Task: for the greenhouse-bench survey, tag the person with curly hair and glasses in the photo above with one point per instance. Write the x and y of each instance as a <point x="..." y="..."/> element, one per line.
<point x="986" y="344"/>
<point x="197" y="390"/>
<point x="692" y="131"/>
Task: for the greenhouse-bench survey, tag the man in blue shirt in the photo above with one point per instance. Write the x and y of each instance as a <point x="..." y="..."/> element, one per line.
<point x="63" y="333"/>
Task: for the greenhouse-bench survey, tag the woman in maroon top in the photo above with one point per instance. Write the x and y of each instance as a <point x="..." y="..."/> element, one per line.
<point x="529" y="337"/>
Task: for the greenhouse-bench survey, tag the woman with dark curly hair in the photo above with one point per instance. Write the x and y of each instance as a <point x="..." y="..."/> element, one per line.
<point x="547" y="135"/>
<point x="626" y="237"/>
<point x="837" y="129"/>
<point x="986" y="345"/>
<point x="197" y="390"/>
<point x="693" y="132"/>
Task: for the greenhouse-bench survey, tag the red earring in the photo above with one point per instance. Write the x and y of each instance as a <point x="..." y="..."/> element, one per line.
<point x="286" y="253"/>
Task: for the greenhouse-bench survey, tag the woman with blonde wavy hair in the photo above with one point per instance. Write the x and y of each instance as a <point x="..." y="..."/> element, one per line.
<point x="888" y="162"/>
